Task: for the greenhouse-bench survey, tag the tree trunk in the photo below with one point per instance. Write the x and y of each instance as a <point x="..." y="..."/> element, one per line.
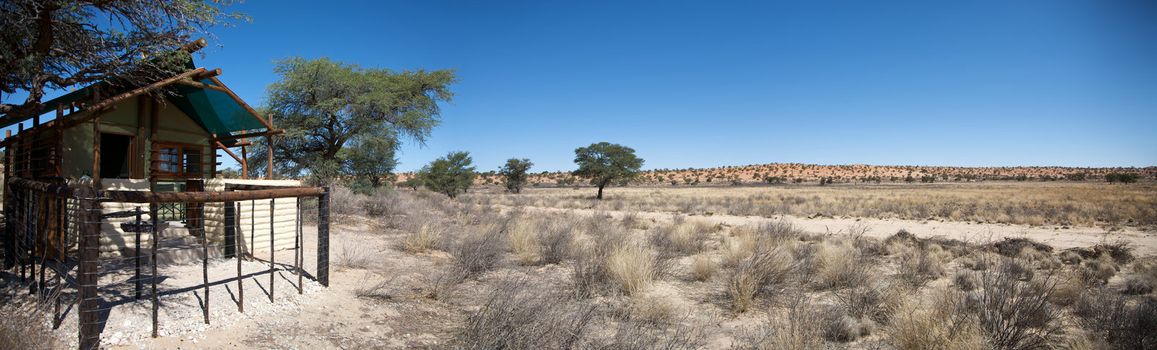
<point x="600" y="196"/>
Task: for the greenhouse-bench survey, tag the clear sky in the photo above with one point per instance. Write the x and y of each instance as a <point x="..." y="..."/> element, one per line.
<point x="708" y="83"/>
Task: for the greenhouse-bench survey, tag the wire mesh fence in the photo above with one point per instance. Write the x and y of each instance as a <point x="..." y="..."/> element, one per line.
<point x="91" y="251"/>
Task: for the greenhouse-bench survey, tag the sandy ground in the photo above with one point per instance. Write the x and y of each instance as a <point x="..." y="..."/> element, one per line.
<point x="1144" y="242"/>
<point x="367" y="261"/>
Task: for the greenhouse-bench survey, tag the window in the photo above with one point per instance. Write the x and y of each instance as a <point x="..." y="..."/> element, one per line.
<point x="115" y="153"/>
<point x="175" y="160"/>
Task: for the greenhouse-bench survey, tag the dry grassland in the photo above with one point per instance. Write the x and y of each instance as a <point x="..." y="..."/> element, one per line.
<point x="1061" y="204"/>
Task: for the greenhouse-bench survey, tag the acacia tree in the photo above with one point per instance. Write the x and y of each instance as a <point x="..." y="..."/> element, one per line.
<point x="605" y="163"/>
<point x="368" y="159"/>
<point x="514" y="173"/>
<point x="327" y="106"/>
<point x="450" y="175"/>
<point x="54" y="45"/>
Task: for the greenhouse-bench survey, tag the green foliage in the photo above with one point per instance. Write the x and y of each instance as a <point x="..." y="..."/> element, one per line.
<point x="412" y="183"/>
<point x="56" y="45"/>
<point x="514" y="173"/>
<point x="449" y="175"/>
<point x="774" y="179"/>
<point x="1075" y="176"/>
<point x="1121" y="177"/>
<point x="342" y="119"/>
<point x="604" y="163"/>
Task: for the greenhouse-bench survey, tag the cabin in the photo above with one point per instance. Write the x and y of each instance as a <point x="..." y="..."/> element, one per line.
<point x="117" y="179"/>
<point x="162" y="137"/>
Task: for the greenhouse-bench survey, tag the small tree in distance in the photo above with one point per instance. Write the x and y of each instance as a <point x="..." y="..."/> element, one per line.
<point x="605" y="163"/>
<point x="515" y="173"/>
<point x="449" y="175"/>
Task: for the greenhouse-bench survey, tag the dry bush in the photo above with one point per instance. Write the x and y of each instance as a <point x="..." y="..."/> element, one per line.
<point x="874" y="300"/>
<point x="342" y="201"/>
<point x="384" y="204"/>
<point x="1122" y="322"/>
<point x="681" y="239"/>
<point x="642" y="336"/>
<point x="381" y="290"/>
<point x="800" y="327"/>
<point x="632" y="268"/>
<point x="738" y="247"/>
<point x="839" y="327"/>
<point x="440" y="284"/>
<point x="1016" y="314"/>
<point x="979" y="260"/>
<point x="1098" y="271"/>
<point x="917" y="267"/>
<point x="652" y="310"/>
<point x="555" y="241"/>
<point x="22" y="326"/>
<point x="353" y="256"/>
<point x="515" y="316"/>
<point x="703" y="267"/>
<point x="1069" y="257"/>
<point x="938" y="323"/>
<point x="754" y="274"/>
<point x="479" y="251"/>
<point x="523" y="234"/>
<point x="590" y="271"/>
<point x="778" y="232"/>
<point x="1012" y="247"/>
<point x="966" y="281"/>
<point x="839" y="266"/>
<point x="426" y="238"/>
<point x="1068" y="287"/>
<point x="1144" y="277"/>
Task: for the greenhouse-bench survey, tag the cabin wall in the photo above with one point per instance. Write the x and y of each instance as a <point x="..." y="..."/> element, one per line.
<point x="133" y="117"/>
<point x="254" y="217"/>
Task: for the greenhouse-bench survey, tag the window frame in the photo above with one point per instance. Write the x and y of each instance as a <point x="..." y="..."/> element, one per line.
<point x="181" y="166"/>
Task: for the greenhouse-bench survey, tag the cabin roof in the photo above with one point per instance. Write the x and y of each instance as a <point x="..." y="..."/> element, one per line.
<point x="202" y="97"/>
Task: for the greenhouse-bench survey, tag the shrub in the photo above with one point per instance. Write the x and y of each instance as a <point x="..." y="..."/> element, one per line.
<point x="874" y="300"/>
<point x="423" y="240"/>
<point x="680" y="239"/>
<point x="800" y="328"/>
<point x="766" y="266"/>
<point x="353" y="256"/>
<point x="523" y="234"/>
<point x="632" y="267"/>
<point x="480" y="251"/>
<point x="703" y="267"/>
<point x="1122" y="177"/>
<point x="515" y="317"/>
<point x="21" y="328"/>
<point x="1016" y="314"/>
<point x="917" y="267"/>
<point x="514" y="174"/>
<point x="937" y="324"/>
<point x="1012" y="247"/>
<point x="965" y="281"/>
<point x="555" y="242"/>
<point x="1120" y="321"/>
<point x="840" y="266"/>
<point x="450" y="175"/>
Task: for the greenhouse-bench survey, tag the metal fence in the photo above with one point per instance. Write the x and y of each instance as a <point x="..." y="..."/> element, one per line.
<point x="52" y="235"/>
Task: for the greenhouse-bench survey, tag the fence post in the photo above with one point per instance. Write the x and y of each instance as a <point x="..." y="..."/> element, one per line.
<point x="230" y="230"/>
<point x="88" y="305"/>
<point x="323" y="237"/>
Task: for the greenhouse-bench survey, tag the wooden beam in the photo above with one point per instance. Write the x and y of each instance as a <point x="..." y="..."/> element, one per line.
<point x="91" y="110"/>
<point x="228" y="91"/>
<point x="206" y="197"/>
<point x="244" y="163"/>
<point x="229" y="152"/>
<point x="269" y="160"/>
<point x="201" y="85"/>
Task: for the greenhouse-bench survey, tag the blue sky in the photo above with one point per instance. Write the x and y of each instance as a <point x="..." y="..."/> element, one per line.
<point x="707" y="83"/>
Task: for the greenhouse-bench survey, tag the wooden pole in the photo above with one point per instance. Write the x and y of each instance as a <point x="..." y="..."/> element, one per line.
<point x="88" y="322"/>
<point x="323" y="238"/>
<point x="153" y="258"/>
<point x="137" y="255"/>
<point x="237" y="255"/>
<point x="272" y="251"/>
<point x="244" y="164"/>
<point x="297" y="245"/>
<point x="204" y="256"/>
<point x="269" y="161"/>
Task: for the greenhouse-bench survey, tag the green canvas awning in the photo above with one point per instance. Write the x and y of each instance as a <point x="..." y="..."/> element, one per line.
<point x="215" y="111"/>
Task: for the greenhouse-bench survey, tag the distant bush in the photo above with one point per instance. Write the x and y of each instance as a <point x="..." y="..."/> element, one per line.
<point x="1075" y="177"/>
<point x="450" y="175"/>
<point x="1121" y="177"/>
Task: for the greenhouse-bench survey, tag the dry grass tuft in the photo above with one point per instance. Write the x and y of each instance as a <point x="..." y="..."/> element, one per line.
<point x="426" y="238"/>
<point x="523" y="234"/>
<point x="632" y="268"/>
<point x="752" y="275"/>
<point x="937" y="323"/>
<point x="353" y="256"/>
<point x="479" y="251"/>
<point x="1122" y="322"/>
<point x="800" y="326"/>
<point x="839" y="266"/>
<point x="703" y="267"/>
<point x="681" y="239"/>
<point x="917" y="267"/>
<point x="517" y="317"/>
